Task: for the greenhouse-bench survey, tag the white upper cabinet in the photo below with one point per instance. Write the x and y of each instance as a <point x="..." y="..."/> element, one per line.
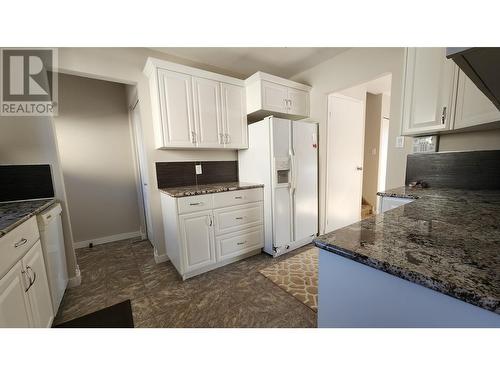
<point x="193" y="108"/>
<point x="176" y="105"/>
<point x="472" y="106"/>
<point x="207" y="113"/>
<point x="234" y="117"/>
<point x="270" y="95"/>
<point x="428" y="91"/>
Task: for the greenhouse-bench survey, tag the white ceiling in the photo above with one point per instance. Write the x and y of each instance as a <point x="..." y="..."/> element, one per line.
<point x="242" y="62"/>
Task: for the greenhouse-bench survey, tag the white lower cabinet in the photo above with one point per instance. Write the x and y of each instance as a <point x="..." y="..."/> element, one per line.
<point x="204" y="232"/>
<point x="25" y="299"/>
<point x="197" y="239"/>
<point x="14" y="304"/>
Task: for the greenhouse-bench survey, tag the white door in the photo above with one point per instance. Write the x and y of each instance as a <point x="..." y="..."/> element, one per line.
<point x="298" y="102"/>
<point x="274" y="97"/>
<point x="207" y="113"/>
<point x="234" y="117"/>
<point x="197" y="233"/>
<point x="143" y="169"/>
<point x="176" y="109"/>
<point x="473" y="107"/>
<point x="428" y="90"/>
<point x="305" y="179"/>
<point x="14" y="304"/>
<point x="38" y="292"/>
<point x="346" y="127"/>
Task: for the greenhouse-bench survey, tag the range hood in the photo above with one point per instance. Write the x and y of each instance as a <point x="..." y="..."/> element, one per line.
<point x="482" y="66"/>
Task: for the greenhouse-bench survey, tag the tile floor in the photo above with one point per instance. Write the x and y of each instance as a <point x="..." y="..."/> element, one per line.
<point x="236" y="295"/>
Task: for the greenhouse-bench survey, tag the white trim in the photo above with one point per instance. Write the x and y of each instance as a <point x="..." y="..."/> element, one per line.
<point x="152" y="64"/>
<point x="75" y="280"/>
<point x="160" y="258"/>
<point x="102" y="240"/>
<point x="261" y="76"/>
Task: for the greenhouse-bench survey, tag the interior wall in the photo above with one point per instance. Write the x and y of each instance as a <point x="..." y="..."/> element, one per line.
<point x="31" y="140"/>
<point x="126" y="65"/>
<point x="373" y="118"/>
<point x="470" y="141"/>
<point x="351" y="68"/>
<point x="95" y="145"/>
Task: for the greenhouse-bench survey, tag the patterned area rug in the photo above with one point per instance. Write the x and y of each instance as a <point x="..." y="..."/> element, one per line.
<point x="297" y="275"/>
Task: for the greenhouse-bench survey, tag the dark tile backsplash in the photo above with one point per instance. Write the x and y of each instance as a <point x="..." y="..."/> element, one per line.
<point x="20" y="182"/>
<point x="173" y="174"/>
<point x="461" y="170"/>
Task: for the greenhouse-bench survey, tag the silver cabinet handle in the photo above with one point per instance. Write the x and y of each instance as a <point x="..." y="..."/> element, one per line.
<point x="193" y="137"/>
<point x="238" y="197"/>
<point x="239" y="218"/>
<point x="359" y="168"/>
<point x="221" y="138"/>
<point x="211" y="222"/>
<point x="228" y="138"/>
<point x="196" y="204"/>
<point x="21" y="242"/>
<point x="443" y="116"/>
<point x="28" y="272"/>
<point x="29" y="280"/>
<point x="241" y="243"/>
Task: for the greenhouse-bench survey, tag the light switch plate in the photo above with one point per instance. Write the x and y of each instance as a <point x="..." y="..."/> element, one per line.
<point x="400" y="142"/>
<point x="198" y="169"/>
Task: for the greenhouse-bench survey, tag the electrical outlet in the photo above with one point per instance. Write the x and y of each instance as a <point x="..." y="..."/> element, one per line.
<point x="198" y="169"/>
<point x="400" y="142"/>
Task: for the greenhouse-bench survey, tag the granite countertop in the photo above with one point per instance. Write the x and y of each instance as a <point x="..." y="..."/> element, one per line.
<point x="448" y="240"/>
<point x="13" y="214"/>
<point x="185" y="191"/>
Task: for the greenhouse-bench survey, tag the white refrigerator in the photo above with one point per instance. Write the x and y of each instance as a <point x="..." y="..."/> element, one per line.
<point x="283" y="155"/>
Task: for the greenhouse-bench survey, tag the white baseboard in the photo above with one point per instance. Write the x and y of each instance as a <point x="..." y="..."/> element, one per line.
<point x="160" y="258"/>
<point x="75" y="280"/>
<point x="102" y="240"/>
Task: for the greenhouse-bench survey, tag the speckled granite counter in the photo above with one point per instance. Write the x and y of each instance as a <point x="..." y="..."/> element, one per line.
<point x="447" y="240"/>
<point x="15" y="213"/>
<point x="185" y="191"/>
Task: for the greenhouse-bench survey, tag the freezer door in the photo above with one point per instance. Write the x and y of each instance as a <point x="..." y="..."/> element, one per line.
<point x="281" y="194"/>
<point x="304" y="179"/>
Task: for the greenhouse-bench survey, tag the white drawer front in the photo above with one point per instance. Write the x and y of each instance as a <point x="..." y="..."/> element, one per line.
<point x="16" y="243"/>
<point x="194" y="203"/>
<point x="240" y="217"/>
<point x="232" y="245"/>
<point x="231" y="198"/>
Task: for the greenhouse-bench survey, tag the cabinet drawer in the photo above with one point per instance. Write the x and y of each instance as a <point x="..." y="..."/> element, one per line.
<point x="232" y="219"/>
<point x="16" y="243"/>
<point x="231" y="198"/>
<point x="232" y="245"/>
<point x="194" y="203"/>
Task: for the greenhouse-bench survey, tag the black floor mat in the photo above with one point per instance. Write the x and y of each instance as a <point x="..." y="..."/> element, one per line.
<point x="116" y="316"/>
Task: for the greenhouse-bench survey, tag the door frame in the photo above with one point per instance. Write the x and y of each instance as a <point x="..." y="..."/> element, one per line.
<point x="137" y="138"/>
<point x="328" y="148"/>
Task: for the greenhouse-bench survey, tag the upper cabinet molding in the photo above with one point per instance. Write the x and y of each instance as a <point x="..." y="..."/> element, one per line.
<point x="261" y="76"/>
<point x="152" y="64"/>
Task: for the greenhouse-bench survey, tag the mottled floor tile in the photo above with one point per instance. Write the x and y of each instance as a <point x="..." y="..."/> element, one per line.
<point x="236" y="295"/>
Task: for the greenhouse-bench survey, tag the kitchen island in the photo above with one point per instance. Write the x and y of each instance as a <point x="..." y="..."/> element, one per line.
<point x="434" y="262"/>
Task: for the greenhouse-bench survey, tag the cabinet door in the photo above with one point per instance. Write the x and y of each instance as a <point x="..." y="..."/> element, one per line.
<point x="298" y="102"/>
<point x="197" y="234"/>
<point x="428" y="91"/>
<point x="473" y="107"/>
<point x="274" y="97"/>
<point x="38" y="292"/>
<point x="234" y="116"/>
<point x="207" y="113"/>
<point x="14" y="304"/>
<point x="176" y="103"/>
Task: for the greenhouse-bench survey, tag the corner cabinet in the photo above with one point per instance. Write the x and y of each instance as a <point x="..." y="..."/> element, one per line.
<point x="439" y="97"/>
<point x="271" y="95"/>
<point x="207" y="231"/>
<point x="193" y="108"/>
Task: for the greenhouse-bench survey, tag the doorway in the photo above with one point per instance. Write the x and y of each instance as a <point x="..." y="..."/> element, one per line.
<point x="357" y="145"/>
